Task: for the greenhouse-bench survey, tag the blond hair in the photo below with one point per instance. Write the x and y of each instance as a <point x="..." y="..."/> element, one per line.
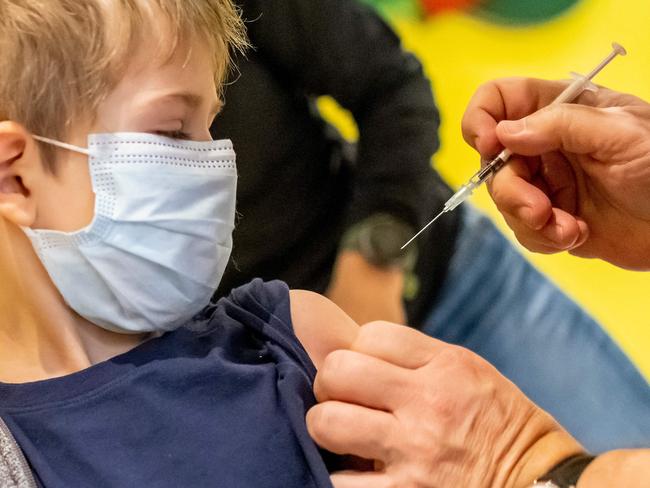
<point x="58" y="62"/>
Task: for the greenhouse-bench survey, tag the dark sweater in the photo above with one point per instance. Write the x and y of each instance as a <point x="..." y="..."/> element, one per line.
<point x="300" y="185"/>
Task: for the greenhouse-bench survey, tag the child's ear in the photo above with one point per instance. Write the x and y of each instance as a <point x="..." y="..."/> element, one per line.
<point x="19" y="160"/>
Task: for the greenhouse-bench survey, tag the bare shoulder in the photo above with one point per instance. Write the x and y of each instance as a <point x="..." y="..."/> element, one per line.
<point x="320" y="325"/>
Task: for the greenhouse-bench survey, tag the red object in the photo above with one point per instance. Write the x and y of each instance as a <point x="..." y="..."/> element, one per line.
<point x="436" y="6"/>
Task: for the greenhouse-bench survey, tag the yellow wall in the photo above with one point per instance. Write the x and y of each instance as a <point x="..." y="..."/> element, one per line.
<point x="459" y="52"/>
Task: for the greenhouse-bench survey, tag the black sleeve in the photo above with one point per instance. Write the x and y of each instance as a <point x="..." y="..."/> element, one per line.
<point x="344" y="49"/>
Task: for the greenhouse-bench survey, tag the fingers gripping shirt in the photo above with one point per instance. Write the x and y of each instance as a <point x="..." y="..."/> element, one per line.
<point x="218" y="403"/>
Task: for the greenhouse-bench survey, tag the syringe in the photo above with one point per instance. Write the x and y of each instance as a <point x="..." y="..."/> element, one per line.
<point x="579" y="84"/>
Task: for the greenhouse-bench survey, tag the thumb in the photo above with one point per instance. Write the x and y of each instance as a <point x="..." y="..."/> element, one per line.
<point x="578" y="129"/>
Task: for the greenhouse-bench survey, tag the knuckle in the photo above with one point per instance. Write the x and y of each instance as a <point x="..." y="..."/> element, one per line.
<point x="372" y="331"/>
<point x="334" y="363"/>
<point x="333" y="371"/>
<point x="551" y="116"/>
<point x="317" y="421"/>
<point x="467" y="126"/>
<point x="628" y="124"/>
<point x="491" y="85"/>
<point x="528" y="84"/>
<point x="562" y="117"/>
<point x="484" y="87"/>
<point x="499" y="195"/>
<point x="456" y="355"/>
<point x="378" y="325"/>
<point x="387" y="445"/>
<point x="461" y="365"/>
<point x="470" y="126"/>
<point x="484" y="92"/>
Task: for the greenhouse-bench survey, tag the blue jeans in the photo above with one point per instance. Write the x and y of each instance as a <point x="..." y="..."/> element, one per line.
<point x="497" y="304"/>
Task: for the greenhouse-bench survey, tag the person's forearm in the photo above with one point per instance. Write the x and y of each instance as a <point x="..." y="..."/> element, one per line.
<point x="351" y="266"/>
<point x="628" y="468"/>
<point x="365" y="291"/>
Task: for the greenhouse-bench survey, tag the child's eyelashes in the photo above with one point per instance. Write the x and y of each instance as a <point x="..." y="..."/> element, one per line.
<point x="175" y="134"/>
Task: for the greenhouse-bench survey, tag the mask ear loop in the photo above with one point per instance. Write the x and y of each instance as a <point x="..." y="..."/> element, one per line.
<point x="63" y="145"/>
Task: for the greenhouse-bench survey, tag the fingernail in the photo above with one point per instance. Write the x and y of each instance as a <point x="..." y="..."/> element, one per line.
<point x="562" y="238"/>
<point x="513" y="126"/>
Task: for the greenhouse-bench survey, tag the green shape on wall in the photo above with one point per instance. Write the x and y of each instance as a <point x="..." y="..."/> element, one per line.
<point x="409" y="9"/>
<point x="522" y="12"/>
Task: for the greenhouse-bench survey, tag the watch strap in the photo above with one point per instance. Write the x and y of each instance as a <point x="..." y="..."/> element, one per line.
<point x="566" y="473"/>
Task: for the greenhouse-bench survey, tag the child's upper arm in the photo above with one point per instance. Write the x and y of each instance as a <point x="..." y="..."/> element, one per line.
<point x="320" y="325"/>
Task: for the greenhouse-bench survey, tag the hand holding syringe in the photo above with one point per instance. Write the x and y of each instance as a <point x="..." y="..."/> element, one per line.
<point x="580" y="83"/>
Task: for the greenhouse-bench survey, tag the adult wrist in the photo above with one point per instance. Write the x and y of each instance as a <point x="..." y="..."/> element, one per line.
<point x="546" y="453"/>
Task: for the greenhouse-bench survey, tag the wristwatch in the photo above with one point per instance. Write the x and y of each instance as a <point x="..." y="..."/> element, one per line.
<point x="379" y="239"/>
<point x="566" y="473"/>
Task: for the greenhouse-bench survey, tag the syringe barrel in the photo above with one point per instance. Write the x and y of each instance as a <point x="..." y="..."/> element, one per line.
<point x="572" y="91"/>
<point x="492" y="167"/>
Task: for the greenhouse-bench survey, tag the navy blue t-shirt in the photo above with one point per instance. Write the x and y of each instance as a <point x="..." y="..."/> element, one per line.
<point x="219" y="404"/>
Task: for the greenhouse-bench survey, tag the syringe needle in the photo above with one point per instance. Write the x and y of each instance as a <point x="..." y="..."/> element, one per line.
<point x="423" y="229"/>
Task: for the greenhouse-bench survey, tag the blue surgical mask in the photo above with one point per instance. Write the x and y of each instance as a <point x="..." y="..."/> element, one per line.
<point x="160" y="238"/>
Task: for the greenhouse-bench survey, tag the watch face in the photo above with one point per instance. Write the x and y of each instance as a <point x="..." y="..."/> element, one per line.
<point x="386" y="241"/>
<point x="379" y="239"/>
<point x="383" y="239"/>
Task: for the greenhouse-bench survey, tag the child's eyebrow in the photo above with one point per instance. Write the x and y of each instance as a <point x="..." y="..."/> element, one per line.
<point x="194" y="101"/>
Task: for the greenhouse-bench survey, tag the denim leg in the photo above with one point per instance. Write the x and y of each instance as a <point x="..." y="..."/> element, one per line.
<point x="497" y="304"/>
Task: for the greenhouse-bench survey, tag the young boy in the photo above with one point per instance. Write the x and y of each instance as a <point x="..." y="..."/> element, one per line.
<point x="108" y="181"/>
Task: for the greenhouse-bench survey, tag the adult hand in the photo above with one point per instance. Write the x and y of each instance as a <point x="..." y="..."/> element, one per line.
<point x="367" y="292"/>
<point x="430" y="414"/>
<point x="581" y="177"/>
